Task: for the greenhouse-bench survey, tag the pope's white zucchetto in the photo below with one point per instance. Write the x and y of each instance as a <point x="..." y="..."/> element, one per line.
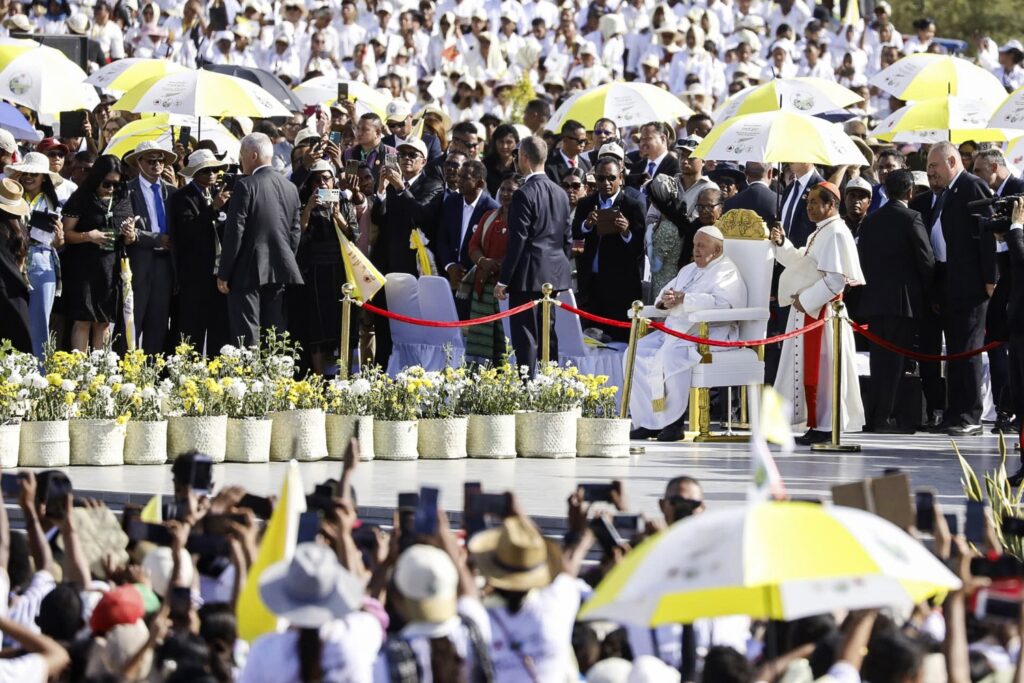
<point x="712" y="231"/>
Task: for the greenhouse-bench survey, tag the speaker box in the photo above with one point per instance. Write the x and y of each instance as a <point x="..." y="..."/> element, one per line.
<point x="76" y="48"/>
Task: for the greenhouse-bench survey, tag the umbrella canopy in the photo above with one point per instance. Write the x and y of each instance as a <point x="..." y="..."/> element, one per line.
<point x="17" y="125"/>
<point x="161" y="129"/>
<point x="1014" y="153"/>
<point x="952" y="117"/>
<point x="925" y="75"/>
<point x="263" y="78"/>
<point x="627" y="104"/>
<point x="324" y="90"/>
<point x="1010" y="112"/>
<point x="201" y="93"/>
<point x="121" y="76"/>
<point x="769" y="561"/>
<point x="779" y="137"/>
<point x="807" y="95"/>
<point x="42" y="79"/>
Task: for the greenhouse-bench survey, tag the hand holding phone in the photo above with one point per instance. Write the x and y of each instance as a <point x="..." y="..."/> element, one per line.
<point x="425" y="519"/>
<point x="924" y="504"/>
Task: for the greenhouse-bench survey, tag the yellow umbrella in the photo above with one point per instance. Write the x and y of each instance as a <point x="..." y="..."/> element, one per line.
<point x="201" y="93"/>
<point x="951" y="117"/>
<point x="924" y="75"/>
<point x="769" y="561"/>
<point x="42" y="79"/>
<point x="121" y="76"/>
<point x="807" y="95"/>
<point x="324" y="90"/>
<point x="160" y="128"/>
<point x="627" y="104"/>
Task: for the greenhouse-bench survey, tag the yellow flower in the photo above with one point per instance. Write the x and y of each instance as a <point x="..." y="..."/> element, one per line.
<point x="54" y="379"/>
<point x="122" y="419"/>
<point x="69" y="398"/>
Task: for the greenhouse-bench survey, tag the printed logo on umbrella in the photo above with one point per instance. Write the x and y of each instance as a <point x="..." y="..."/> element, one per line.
<point x="20" y="83"/>
<point x="802" y="101"/>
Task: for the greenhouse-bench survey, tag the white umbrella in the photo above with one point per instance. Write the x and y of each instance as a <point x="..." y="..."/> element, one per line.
<point x="121" y="76"/>
<point x="43" y="79"/>
<point x="1010" y="112"/>
<point x="324" y="90"/>
<point x="627" y="104"/>
<point x="925" y="75"/>
<point x="201" y="93"/>
<point x="807" y="95"/>
<point x="952" y="118"/>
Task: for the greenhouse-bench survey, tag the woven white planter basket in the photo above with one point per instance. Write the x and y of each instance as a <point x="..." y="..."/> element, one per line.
<point x="206" y="434"/>
<point x="44" y="444"/>
<point x="443" y="439"/>
<point x="546" y="435"/>
<point x="145" y="443"/>
<point x="248" y="440"/>
<point x="299" y="435"/>
<point x="491" y="436"/>
<point x="341" y="429"/>
<point x="9" y="434"/>
<point x="395" y="439"/>
<point x="602" y="437"/>
<point x="96" y="442"/>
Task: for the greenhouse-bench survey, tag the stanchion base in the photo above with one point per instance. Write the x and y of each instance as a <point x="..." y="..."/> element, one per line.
<point x="836" y="447"/>
<point x="722" y="438"/>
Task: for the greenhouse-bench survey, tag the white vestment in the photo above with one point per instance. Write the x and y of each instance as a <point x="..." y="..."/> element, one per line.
<point x="661" y="374"/>
<point x="826" y="266"/>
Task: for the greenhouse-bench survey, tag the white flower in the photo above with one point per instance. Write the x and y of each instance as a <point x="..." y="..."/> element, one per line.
<point x="229" y="351"/>
<point x="115" y="379"/>
<point x="236" y="390"/>
<point x="127" y="389"/>
<point x="35" y="381"/>
<point x="67" y="385"/>
<point x="103" y="391"/>
<point x="15" y="377"/>
<point x="148" y="394"/>
<point x="257" y="387"/>
<point x="360" y="387"/>
<point x="23" y="394"/>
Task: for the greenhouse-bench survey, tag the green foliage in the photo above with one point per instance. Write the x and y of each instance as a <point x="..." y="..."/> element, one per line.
<point x="960" y="19"/>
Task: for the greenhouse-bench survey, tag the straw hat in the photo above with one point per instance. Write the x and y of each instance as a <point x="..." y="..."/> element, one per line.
<point x="78" y="24"/>
<point x="200" y="159"/>
<point x="515" y="556"/>
<point x="11" y="199"/>
<point x="34" y="162"/>
<point x="147" y="147"/>
<point x="311" y="589"/>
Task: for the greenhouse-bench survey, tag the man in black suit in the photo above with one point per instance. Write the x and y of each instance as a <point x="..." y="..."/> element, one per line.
<point x="929" y="330"/>
<point x="990" y="166"/>
<point x="195" y="217"/>
<point x="260" y="240"/>
<point x="605" y="132"/>
<point x="1014" y="238"/>
<point x="460" y="214"/>
<point x="538" y="252"/>
<point x="896" y="257"/>
<point x="758" y="197"/>
<point x="654" y="158"/>
<point x="795" y="223"/>
<point x="399" y="123"/>
<point x="570" y="154"/>
<point x="971" y="272"/>
<point x="407" y="199"/>
<point x="613" y="248"/>
<point x="150" y="254"/>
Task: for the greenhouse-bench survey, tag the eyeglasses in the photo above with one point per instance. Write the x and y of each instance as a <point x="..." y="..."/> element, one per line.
<point x="324" y="177"/>
<point x="408" y="155"/>
<point x="466" y="143"/>
<point x="154" y="161"/>
<point x="578" y="141"/>
<point x="572" y="186"/>
<point x="108" y="185"/>
<point x="603" y="133"/>
<point x="396" y="124"/>
<point x="707" y="207"/>
<point x="56" y="153"/>
<point x="207" y="171"/>
<point x="605" y="178"/>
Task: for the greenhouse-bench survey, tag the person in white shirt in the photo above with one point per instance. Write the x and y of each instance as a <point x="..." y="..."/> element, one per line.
<point x="106" y="32"/>
<point x="1010" y="73"/>
<point x="350" y="33"/>
<point x="814" y="65"/>
<point x="920" y="42"/>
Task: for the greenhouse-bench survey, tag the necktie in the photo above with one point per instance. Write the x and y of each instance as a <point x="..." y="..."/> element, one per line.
<point x="158" y="203"/>
<point x="795" y="199"/>
<point x="650" y="168"/>
<point x="572" y="163"/>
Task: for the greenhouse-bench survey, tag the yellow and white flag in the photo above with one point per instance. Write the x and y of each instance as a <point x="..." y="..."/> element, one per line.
<point x="128" y="303"/>
<point x="254" y="619"/>
<point x="152" y="513"/>
<point x="359" y="272"/>
<point x="424" y="259"/>
<point x="769" y="421"/>
<point x="774" y="419"/>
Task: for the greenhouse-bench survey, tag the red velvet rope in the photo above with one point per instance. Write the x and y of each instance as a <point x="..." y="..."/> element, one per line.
<point x="447" y="323"/>
<point x="756" y="342"/>
<point x="594" y="318"/>
<point x="889" y="346"/>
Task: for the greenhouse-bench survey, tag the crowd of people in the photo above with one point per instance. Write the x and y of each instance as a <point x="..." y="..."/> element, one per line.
<point x="97" y="599"/>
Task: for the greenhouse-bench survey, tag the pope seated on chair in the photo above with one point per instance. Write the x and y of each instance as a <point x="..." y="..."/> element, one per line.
<point x="661" y="374"/>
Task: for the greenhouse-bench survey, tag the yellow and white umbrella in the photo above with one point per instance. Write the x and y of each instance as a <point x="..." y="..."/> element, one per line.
<point x="924" y="75"/>
<point x="1010" y="112"/>
<point x="627" y="104"/>
<point x="807" y="95"/>
<point x="121" y="76"/>
<point x="780" y="137"/>
<point x="951" y="117"/>
<point x="324" y="90"/>
<point x="163" y="129"/>
<point x="201" y="93"/>
<point x="43" y="79"/>
<point x="768" y="561"/>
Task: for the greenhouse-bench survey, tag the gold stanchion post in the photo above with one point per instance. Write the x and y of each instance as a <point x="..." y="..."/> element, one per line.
<point x="634" y="337"/>
<point x="346" y="328"/>
<point x="545" y="335"/>
<point x="837" y="387"/>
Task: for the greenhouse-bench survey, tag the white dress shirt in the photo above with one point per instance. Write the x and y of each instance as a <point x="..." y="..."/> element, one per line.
<point x="467" y="213"/>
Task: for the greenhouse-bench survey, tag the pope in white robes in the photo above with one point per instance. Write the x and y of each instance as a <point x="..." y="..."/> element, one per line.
<point x="661" y="374"/>
<point x="814" y="276"/>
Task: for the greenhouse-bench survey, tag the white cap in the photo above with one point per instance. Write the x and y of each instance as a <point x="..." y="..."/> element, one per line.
<point x="1012" y="45"/>
<point x="884" y="6"/>
<point x="385" y="7"/>
<point x="859" y="183"/>
<point x="7" y="142"/>
<point x="712" y="231"/>
<point x="921" y="179"/>
<point x="553" y="79"/>
<point x="479" y="13"/>
<point x="648" y="669"/>
<point x="416" y="144"/>
<point x="398" y="110"/>
<point x="588" y="48"/>
<point x="611" y="149"/>
<point x="305" y="134"/>
<point x="223" y="35"/>
<point x="427" y="577"/>
<point x="159" y="564"/>
<point x="20" y="23"/>
<point x="78" y="23"/>
<point x="611" y="670"/>
<point x="651" y="60"/>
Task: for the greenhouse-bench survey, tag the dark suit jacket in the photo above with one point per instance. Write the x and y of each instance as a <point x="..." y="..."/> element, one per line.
<point x="557" y="167"/>
<point x="429" y="139"/>
<point x="1013" y="185"/>
<point x="970" y="251"/>
<point x="147" y="238"/>
<point x="758" y="198"/>
<point x="447" y="247"/>
<point x="896" y="257"/>
<point x="417" y="206"/>
<point x="262" y="232"/>
<point x="194" y="231"/>
<point x="1015" y="306"/>
<point x="539" y="237"/>
<point x="802" y="226"/>
<point x="638" y="167"/>
<point x="618" y="261"/>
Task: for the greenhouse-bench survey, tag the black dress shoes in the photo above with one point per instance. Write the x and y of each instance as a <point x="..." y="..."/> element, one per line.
<point x="890" y="426"/>
<point x="813" y="436"/>
<point x="642" y="433"/>
<point x="674" y="432"/>
<point x="964" y="430"/>
<point x="1007" y="424"/>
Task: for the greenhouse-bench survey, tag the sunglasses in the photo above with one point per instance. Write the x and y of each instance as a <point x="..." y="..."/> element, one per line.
<point x="603" y="133"/>
<point x="578" y="141"/>
<point x="572" y="186"/>
<point x="466" y="143"/>
<point x="56" y="153"/>
<point x="108" y="185"/>
<point x="207" y="171"/>
<point x="408" y="155"/>
<point x="605" y="178"/>
<point x="706" y="207"/>
<point x="154" y="161"/>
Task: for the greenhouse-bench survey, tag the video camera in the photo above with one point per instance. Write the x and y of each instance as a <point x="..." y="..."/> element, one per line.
<point x="1002" y="207"/>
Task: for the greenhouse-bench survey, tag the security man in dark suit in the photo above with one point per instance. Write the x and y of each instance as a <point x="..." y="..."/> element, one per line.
<point x="260" y="240"/>
<point x="570" y="154"/>
<point x="610" y="266"/>
<point x="538" y="252"/>
<point x="897" y="260"/>
<point x="1014" y="238"/>
<point x="971" y="271"/>
<point x="929" y="326"/>
<point x="795" y="223"/>
<point x="758" y="195"/>
<point x="653" y="157"/>
<point x="195" y="216"/>
<point x="150" y="254"/>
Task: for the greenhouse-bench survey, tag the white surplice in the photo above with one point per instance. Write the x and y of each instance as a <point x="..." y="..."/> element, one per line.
<point x="827" y="265"/>
<point x="661" y="374"/>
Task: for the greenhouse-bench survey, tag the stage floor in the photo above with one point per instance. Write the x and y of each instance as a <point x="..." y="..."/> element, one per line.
<point x="543" y="485"/>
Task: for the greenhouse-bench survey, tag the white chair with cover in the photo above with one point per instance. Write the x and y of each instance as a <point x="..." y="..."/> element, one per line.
<point x="746" y="243"/>
<point x="437" y="303"/>
<point x="573" y="349"/>
<point x="409" y="347"/>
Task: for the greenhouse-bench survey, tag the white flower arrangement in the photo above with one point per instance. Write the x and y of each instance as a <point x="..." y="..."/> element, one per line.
<point x="555" y="389"/>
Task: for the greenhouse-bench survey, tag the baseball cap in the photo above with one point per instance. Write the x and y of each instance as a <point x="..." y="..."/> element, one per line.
<point x="1012" y="45"/>
<point x="47" y="144"/>
<point x="689" y="143"/>
<point x="611" y="149"/>
<point x="305" y="134"/>
<point x="415" y="144"/>
<point x="428" y="581"/>
<point x="921" y="179"/>
<point x="859" y="183"/>
<point x="398" y="110"/>
<point x="121" y="605"/>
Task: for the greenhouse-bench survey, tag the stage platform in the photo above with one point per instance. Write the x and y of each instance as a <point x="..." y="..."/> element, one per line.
<point x="543" y="485"/>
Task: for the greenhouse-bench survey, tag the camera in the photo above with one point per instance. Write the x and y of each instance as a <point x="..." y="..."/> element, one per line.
<point x="1002" y="207"/>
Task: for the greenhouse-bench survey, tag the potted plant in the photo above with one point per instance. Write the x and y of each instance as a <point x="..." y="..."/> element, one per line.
<point x="14" y="365"/>
<point x="49" y="402"/>
<point x="246" y="402"/>
<point x="145" y="440"/>
<point x="442" y="412"/>
<point x="600" y="432"/>
<point x="492" y="398"/>
<point x="348" y="413"/>
<point x="97" y="429"/>
<point x="299" y="430"/>
<point x="547" y="426"/>
<point x="394" y="403"/>
<point x="197" y="419"/>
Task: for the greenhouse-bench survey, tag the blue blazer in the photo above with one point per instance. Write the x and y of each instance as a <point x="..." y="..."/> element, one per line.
<point x="447" y="248"/>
